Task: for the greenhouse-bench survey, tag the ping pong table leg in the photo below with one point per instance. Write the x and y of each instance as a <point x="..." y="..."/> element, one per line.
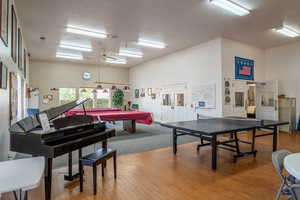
<point x="275" y="138"/>
<point x="214" y="152"/>
<point x="174" y="140"/>
<point x="253" y="140"/>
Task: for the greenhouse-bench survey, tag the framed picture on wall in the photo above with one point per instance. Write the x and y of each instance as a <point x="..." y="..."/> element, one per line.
<point x="14" y="34"/>
<point x="244" y="68"/>
<point x="180" y="99"/>
<point x="142" y="92"/>
<point x="136" y="93"/>
<point x="166" y="100"/>
<point x="3" y="76"/>
<point x="4" y="7"/>
<point x="149" y="91"/>
<point x="25" y="63"/>
<point x="13" y="97"/>
<point x="20" y="50"/>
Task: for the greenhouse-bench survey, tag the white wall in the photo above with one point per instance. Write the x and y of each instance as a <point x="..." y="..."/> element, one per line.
<point x="4" y="94"/>
<point x="45" y="75"/>
<point x="231" y="48"/>
<point x="194" y="66"/>
<point x="283" y="64"/>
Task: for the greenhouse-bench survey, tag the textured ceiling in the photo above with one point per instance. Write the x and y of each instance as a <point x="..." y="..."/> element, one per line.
<point x="179" y="23"/>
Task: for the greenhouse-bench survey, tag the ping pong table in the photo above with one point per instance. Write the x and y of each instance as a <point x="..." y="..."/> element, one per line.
<point x="210" y="130"/>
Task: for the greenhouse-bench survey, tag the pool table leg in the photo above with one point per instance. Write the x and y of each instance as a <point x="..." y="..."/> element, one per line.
<point x="129" y="126"/>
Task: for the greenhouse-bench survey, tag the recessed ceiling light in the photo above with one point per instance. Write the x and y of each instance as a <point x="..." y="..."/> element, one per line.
<point x="73" y="46"/>
<point x="231" y="6"/>
<point x="69" y="56"/>
<point x="86" y="32"/>
<point x="130" y="53"/>
<point x="116" y="60"/>
<point x="287" y="31"/>
<point x="153" y="44"/>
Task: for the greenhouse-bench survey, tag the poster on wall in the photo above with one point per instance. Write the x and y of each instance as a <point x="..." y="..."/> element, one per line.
<point x="4" y="21"/>
<point x="20" y="50"/>
<point x="47" y="98"/>
<point x="14" y="34"/>
<point x="244" y="68"/>
<point x="13" y="97"/>
<point x="3" y="76"/>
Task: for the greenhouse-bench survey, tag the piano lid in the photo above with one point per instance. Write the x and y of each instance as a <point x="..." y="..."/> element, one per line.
<point x="32" y="122"/>
<point x="59" y="110"/>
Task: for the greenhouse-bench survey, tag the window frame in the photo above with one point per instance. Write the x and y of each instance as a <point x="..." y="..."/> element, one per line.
<point x="94" y="98"/>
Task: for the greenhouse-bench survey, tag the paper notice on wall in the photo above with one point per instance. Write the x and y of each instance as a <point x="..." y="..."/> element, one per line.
<point x="204" y="96"/>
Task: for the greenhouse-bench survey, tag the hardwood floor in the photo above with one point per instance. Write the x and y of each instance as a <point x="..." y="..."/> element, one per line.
<point x="161" y="176"/>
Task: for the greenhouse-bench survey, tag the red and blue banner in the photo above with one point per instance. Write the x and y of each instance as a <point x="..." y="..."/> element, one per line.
<point x="244" y="68"/>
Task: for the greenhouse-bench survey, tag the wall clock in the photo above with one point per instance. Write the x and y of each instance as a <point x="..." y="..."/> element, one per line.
<point x="86" y="76"/>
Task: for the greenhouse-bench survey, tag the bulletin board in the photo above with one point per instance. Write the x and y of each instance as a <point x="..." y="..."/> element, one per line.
<point x="204" y="96"/>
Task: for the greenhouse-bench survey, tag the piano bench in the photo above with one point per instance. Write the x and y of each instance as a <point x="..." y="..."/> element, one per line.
<point x="95" y="159"/>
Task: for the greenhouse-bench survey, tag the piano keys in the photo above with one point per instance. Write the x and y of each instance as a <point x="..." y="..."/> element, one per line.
<point x="66" y="135"/>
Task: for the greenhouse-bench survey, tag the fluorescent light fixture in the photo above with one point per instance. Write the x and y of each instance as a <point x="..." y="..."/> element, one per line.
<point x="116" y="60"/>
<point x="153" y="44"/>
<point x="75" y="46"/>
<point x="231" y="6"/>
<point x="287" y="31"/>
<point x="86" y="32"/>
<point x="69" y="56"/>
<point x="130" y="53"/>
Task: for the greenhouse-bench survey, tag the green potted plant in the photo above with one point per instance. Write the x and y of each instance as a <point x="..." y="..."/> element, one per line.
<point x="118" y="98"/>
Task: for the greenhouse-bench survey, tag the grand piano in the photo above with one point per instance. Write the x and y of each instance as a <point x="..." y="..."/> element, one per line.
<point x="64" y="135"/>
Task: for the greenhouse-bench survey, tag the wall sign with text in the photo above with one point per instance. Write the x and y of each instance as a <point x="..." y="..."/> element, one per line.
<point x="244" y="68"/>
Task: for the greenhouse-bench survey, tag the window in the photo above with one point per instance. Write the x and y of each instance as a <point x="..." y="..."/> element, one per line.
<point x="67" y="95"/>
<point x="102" y="99"/>
<point x="87" y="93"/>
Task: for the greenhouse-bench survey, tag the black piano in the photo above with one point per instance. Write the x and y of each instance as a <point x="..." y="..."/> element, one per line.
<point x="66" y="134"/>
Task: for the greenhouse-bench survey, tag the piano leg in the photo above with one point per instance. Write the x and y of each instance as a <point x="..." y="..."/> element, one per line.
<point x="79" y="156"/>
<point x="70" y="167"/>
<point x="48" y="179"/>
<point x="70" y="176"/>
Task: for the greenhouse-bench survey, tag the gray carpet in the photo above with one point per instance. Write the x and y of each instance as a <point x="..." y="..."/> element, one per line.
<point x="145" y="139"/>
